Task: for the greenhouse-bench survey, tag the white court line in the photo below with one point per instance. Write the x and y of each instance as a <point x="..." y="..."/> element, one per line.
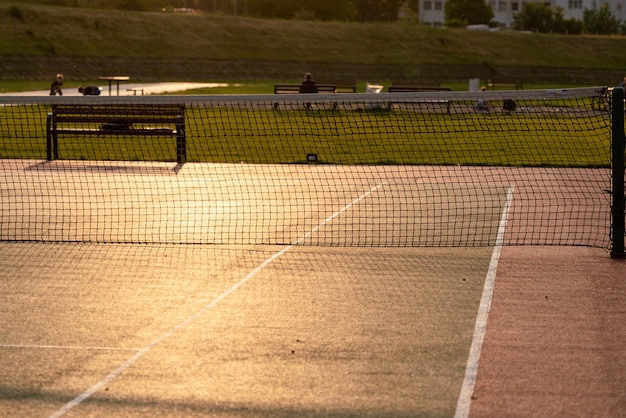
<point x="115" y="373"/>
<point x="68" y="347"/>
<point x="467" y="389"/>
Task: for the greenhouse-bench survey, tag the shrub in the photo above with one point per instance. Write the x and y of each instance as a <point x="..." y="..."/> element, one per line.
<point x="16" y="12"/>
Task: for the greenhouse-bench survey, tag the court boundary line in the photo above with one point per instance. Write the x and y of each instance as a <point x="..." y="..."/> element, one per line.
<point x="68" y="347"/>
<point x="467" y="389"/>
<point x="145" y="350"/>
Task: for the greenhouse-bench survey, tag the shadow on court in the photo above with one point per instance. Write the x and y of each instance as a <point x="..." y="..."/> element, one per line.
<point x="135" y="330"/>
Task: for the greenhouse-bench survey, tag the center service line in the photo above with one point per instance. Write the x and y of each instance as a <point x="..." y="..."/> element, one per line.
<point x="467" y="389"/>
<point x="145" y="350"/>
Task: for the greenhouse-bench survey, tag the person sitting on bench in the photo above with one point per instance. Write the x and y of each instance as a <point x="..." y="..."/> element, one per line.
<point x="308" y="85"/>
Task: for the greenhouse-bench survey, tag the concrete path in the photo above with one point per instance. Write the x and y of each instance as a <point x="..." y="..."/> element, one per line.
<point x="125" y="89"/>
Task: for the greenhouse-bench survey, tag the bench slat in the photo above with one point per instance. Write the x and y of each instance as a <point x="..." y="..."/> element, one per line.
<point x="114" y="118"/>
<point x="415" y="89"/>
<point x="295" y="88"/>
<point x="103" y="132"/>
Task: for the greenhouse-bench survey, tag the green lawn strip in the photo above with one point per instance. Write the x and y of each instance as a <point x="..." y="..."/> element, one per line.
<point x="227" y="135"/>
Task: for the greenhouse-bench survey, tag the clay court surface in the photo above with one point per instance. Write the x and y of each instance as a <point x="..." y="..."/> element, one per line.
<point x="300" y="330"/>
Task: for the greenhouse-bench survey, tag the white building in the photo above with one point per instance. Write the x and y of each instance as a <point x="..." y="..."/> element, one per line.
<point x="431" y="11"/>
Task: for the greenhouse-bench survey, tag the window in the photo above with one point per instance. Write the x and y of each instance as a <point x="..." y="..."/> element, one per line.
<point x="502" y="6"/>
<point x="438" y="5"/>
<point x="575" y="4"/>
<point x="515" y="6"/>
<point x="428" y="5"/>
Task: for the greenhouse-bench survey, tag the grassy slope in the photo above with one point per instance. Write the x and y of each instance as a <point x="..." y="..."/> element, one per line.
<point x="73" y="31"/>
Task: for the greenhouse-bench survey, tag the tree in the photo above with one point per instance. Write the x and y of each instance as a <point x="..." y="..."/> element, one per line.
<point x="377" y="10"/>
<point x="136" y="5"/>
<point x="329" y="9"/>
<point x="412" y="5"/>
<point x="561" y="25"/>
<point x="281" y="9"/>
<point x="600" y="21"/>
<point x="573" y="26"/>
<point x="467" y="12"/>
<point x="341" y="10"/>
<point x="539" y="17"/>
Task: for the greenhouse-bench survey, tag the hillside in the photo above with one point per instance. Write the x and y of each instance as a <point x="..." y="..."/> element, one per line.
<point x="84" y="43"/>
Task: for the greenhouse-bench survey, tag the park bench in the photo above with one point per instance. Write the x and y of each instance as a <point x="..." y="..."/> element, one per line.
<point x="295" y="88"/>
<point x="506" y="84"/>
<point x="135" y="90"/>
<point x="416" y="88"/>
<point x="342" y="87"/>
<point x="146" y="120"/>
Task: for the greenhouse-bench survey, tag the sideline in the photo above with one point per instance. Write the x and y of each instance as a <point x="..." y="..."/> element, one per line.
<point x="145" y="350"/>
<point x="68" y="347"/>
<point x="467" y="389"/>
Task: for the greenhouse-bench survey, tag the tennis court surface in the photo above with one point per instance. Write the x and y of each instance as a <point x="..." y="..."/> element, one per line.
<point x="350" y="332"/>
<point x="375" y="278"/>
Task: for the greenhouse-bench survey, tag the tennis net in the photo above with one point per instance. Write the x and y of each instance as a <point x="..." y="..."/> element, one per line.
<point x="389" y="169"/>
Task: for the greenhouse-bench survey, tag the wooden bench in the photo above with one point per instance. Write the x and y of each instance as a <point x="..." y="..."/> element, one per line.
<point x="135" y="91"/>
<point x="295" y="88"/>
<point x="505" y="84"/>
<point x="321" y="88"/>
<point x="416" y="88"/>
<point x="154" y="120"/>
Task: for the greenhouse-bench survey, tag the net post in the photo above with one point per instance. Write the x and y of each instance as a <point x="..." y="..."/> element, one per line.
<point x="181" y="142"/>
<point x="617" y="172"/>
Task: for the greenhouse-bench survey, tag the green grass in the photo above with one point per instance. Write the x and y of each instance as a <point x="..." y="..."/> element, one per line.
<point x="78" y="34"/>
<point x="340" y="137"/>
<point x="397" y="137"/>
<point x="71" y="31"/>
